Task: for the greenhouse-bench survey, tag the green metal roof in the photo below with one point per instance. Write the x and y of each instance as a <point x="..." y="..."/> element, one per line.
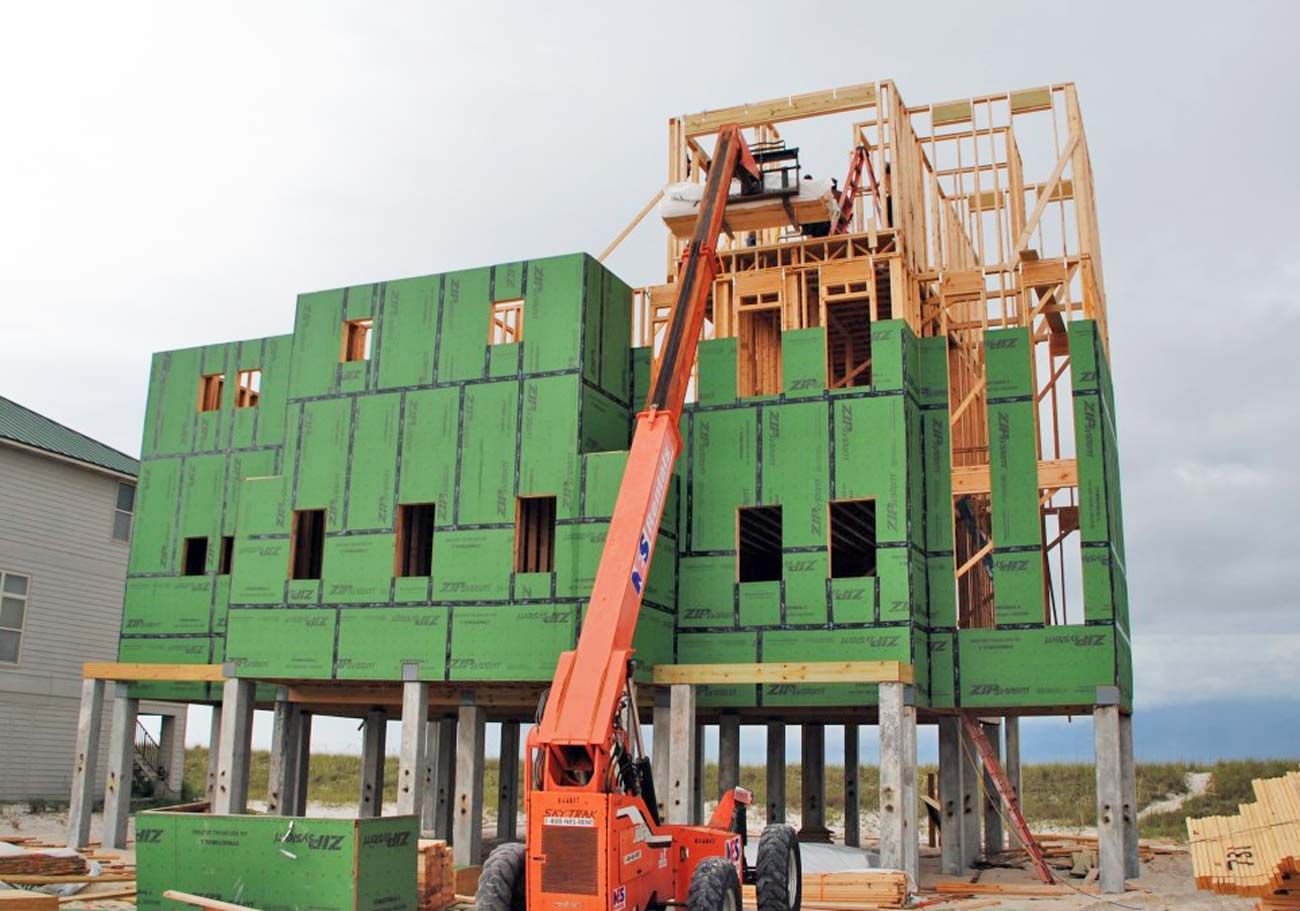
<point x="24" y="426"/>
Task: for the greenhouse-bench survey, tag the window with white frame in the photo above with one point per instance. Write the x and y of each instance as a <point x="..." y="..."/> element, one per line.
<point x="124" y="513"/>
<point x="13" y="611"/>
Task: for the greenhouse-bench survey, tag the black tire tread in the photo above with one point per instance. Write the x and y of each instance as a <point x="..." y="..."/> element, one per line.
<point x="501" y="884"/>
<point x="712" y="878"/>
<point x="772" y="876"/>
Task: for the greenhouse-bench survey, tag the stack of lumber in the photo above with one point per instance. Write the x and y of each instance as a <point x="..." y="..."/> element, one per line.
<point x="1070" y="852"/>
<point x="31" y="863"/>
<point x="1257" y="852"/>
<point x="849" y="889"/>
<point x="435" y="875"/>
<point x="19" y="900"/>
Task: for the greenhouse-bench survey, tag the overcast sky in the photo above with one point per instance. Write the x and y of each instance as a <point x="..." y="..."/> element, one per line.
<point x="174" y="174"/>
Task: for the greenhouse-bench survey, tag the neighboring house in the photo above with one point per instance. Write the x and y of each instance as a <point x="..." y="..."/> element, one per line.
<point x="67" y="504"/>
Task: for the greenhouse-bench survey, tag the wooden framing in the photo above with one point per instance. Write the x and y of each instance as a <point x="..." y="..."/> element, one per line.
<point x="975" y="213"/>
<point x="507" y="323"/>
<point x="356" y="339"/>
<point x="210" y="388"/>
<point x="535" y="534"/>
<point x="248" y="388"/>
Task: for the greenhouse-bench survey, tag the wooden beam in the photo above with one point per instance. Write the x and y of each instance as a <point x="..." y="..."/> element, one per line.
<point x="787" y="672"/>
<point x="781" y="110"/>
<point x="201" y="901"/>
<point x="1052" y="474"/>
<point x="622" y="235"/>
<point x="1045" y="196"/>
<point x="126" y="672"/>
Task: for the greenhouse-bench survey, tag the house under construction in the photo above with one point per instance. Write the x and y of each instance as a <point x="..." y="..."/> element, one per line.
<point x="898" y="500"/>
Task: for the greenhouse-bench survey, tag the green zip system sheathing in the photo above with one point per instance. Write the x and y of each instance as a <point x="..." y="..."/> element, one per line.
<point x="277" y="864"/>
<point x="437" y="415"/>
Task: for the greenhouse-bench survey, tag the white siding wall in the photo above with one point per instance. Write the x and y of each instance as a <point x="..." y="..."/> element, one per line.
<point x="56" y="527"/>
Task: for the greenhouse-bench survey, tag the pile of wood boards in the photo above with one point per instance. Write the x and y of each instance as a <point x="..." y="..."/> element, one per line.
<point x="32" y="863"/>
<point x="849" y="889"/>
<point x="1257" y="852"/>
<point x="1078" y="853"/>
<point x="435" y="877"/>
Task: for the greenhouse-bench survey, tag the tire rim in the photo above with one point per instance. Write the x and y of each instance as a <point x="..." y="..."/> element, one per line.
<point x="791" y="873"/>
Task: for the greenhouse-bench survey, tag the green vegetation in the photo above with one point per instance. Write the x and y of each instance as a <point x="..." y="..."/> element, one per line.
<point x="1056" y="794"/>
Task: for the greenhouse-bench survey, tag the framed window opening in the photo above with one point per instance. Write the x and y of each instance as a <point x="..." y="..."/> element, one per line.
<point x="210" y="388"/>
<point x="507" y="325"/>
<point x="535" y="535"/>
<point x="194" y="557"/>
<point x="307" y="544"/>
<point x="357" y="335"/>
<point x="226" y="559"/>
<point x="248" y="388"/>
<point x="414" y="552"/>
<point x="758" y="543"/>
<point x="852" y="538"/>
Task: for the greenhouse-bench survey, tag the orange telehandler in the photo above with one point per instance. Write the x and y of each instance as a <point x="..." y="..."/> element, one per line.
<point x="594" y="838"/>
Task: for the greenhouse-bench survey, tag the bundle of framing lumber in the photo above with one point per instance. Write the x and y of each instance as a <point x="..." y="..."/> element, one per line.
<point x="1063" y="851"/>
<point x="36" y="864"/>
<point x="1257" y="852"/>
<point x="435" y="878"/>
<point x="849" y="890"/>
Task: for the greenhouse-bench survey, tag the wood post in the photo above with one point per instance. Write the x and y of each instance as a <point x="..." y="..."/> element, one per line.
<point x="467" y="840"/>
<point x="508" y="782"/>
<point x="681" y="756"/>
<point x="1011" y="727"/>
<point x="82" y="799"/>
<point x="374" y="734"/>
<point x="775" y="772"/>
<point x="171" y="749"/>
<point x="121" y="768"/>
<point x="230" y="796"/>
<point x="302" y="768"/>
<point x="411" y="766"/>
<point x="443" y="771"/>
<point x="852" y="779"/>
<point x="971" y="815"/>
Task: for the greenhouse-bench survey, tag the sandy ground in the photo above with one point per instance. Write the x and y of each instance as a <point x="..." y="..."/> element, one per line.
<point x="1166" y="881"/>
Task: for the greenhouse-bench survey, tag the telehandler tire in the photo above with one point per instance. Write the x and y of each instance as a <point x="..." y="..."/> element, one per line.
<point x="778" y="874"/>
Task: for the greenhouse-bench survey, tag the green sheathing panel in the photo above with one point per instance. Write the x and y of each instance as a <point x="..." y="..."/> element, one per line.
<point x="278" y="864"/>
<point x="430" y="425"/>
<point x="720" y="648"/>
<point x="795" y="470"/>
<point x="1051" y="666"/>
<point x="538" y="634"/>
<point x="1105" y="586"/>
<point x="722" y="473"/>
<point x="317" y="344"/>
<point x="167" y="650"/>
<point x="410" y="320"/>
<point x="886" y="644"/>
<point x="486" y="490"/>
<point x="281" y="643"/>
<point x="717" y="372"/>
<point x="370" y="492"/>
<point x="322" y="463"/>
<point x="548" y="460"/>
<point x="375" y="642"/>
<point x="803" y="363"/>
<point x="1018" y="581"/>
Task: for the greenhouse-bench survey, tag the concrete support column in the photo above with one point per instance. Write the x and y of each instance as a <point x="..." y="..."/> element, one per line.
<point x="971" y="808"/>
<point x="171" y="747"/>
<point x="993" y="809"/>
<point x="951" y="795"/>
<point x="852" y="778"/>
<point x="728" y="752"/>
<point x="121" y="768"/>
<point x="230" y="796"/>
<point x="283" y="777"/>
<point x="1110" y="798"/>
<point x="411" y="773"/>
<point x="814" y="784"/>
<point x="508" y="787"/>
<point x="697" y="777"/>
<point x="659" y="749"/>
<point x="82" y="799"/>
<point x="1132" y="859"/>
<point x="899" y="847"/>
<point x="1011" y="765"/>
<point x="442" y="767"/>
<point x="467" y="841"/>
<point x="374" y="735"/>
<point x="681" y="755"/>
<point x="214" y="753"/>
<point x="775" y="772"/>
<point x="302" y="768"/>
